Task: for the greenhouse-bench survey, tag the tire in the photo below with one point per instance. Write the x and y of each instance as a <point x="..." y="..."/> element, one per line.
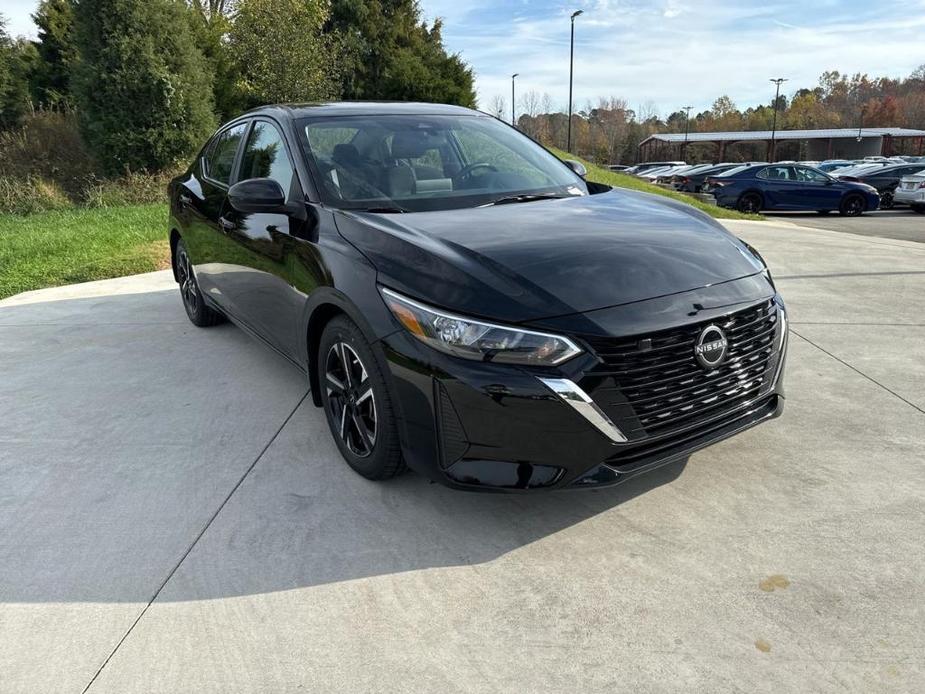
<point x="852" y="205"/>
<point x="363" y="426"/>
<point x="886" y="200"/>
<point x="196" y="309"/>
<point x="749" y="203"/>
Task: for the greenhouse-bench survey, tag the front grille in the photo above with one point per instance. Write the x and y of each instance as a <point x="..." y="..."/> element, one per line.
<point x="652" y="385"/>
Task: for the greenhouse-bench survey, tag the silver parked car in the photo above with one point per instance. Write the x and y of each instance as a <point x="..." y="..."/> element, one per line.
<point x="911" y="191"/>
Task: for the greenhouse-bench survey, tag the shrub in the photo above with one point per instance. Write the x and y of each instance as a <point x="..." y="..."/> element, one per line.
<point x="48" y="145"/>
<point x="30" y="194"/>
<point x="141" y="86"/>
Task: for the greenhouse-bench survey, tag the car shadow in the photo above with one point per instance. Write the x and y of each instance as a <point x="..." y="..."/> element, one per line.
<point x="137" y="448"/>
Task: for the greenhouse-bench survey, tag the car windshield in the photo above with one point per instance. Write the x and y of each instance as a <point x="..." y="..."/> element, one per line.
<point x="422" y="163"/>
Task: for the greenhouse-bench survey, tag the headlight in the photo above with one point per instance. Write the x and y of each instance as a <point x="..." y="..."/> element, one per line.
<point x="475" y="339"/>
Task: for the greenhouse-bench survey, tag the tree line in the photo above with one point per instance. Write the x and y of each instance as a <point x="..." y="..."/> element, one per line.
<point x="151" y="79"/>
<point x="609" y="130"/>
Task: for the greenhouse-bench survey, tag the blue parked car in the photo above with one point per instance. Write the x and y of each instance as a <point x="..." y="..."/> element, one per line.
<point x="794" y="188"/>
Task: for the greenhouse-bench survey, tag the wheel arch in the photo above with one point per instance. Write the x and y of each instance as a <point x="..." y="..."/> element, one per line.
<point x="325" y="304"/>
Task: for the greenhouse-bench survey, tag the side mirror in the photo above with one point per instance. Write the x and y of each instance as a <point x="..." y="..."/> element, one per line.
<point x="257" y="195"/>
<point x="577" y="167"/>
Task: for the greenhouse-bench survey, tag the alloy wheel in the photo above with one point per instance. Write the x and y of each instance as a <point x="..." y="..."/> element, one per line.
<point x="886" y="201"/>
<point x="750" y="204"/>
<point x="351" y="399"/>
<point x="188" y="288"/>
<point x="853" y="206"/>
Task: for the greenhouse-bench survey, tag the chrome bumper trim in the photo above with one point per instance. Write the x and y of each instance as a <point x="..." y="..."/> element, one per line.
<point x="581" y="402"/>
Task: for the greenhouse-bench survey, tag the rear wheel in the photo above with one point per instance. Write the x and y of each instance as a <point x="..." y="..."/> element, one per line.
<point x="357" y="402"/>
<point x="749" y="203"/>
<point x="196" y="309"/>
<point x="886" y="200"/>
<point x="852" y="205"/>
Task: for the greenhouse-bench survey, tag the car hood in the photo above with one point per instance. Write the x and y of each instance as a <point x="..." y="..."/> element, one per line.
<point x="526" y="261"/>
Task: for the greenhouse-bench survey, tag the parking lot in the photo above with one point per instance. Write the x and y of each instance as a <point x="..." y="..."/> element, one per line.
<point x="175" y="518"/>
<point x="900" y="223"/>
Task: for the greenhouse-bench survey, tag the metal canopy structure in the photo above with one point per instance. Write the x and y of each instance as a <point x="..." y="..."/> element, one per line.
<point x="822" y="142"/>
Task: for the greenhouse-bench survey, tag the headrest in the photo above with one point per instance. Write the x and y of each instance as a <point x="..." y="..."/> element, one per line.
<point x="346" y="154"/>
<point x="409" y="144"/>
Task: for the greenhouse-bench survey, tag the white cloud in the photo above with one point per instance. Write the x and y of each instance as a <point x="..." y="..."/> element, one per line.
<point x="674" y="53"/>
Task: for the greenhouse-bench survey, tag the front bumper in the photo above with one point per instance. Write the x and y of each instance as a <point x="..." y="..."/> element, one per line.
<point x="483" y="426"/>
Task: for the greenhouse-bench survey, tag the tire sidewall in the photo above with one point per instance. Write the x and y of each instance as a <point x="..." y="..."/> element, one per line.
<point x="376" y="464"/>
<point x="196" y="316"/>
<point x="741" y="207"/>
<point x="843" y="208"/>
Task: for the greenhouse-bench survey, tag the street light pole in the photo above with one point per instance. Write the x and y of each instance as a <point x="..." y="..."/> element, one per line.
<point x="571" y="68"/>
<point x="778" y="82"/>
<point x="687" y="129"/>
<point x="513" y="117"/>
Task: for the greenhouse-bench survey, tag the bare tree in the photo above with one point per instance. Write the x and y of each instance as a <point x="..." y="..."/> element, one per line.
<point x="498" y="107"/>
<point x="530" y="103"/>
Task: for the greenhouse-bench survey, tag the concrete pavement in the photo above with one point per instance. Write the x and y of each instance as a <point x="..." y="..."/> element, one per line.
<point x="900" y="223"/>
<point x="174" y="517"/>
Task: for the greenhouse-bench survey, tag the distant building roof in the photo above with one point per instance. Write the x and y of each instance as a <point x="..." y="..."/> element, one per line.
<point x="759" y="135"/>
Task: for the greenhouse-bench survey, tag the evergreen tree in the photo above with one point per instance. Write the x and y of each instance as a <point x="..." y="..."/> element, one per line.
<point x="282" y="54"/>
<point x="143" y="92"/>
<point x="395" y="55"/>
<point x="50" y="81"/>
<point x="17" y="58"/>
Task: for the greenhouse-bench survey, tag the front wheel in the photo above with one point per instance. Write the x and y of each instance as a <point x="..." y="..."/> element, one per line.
<point x="886" y="201"/>
<point x="750" y="203"/>
<point x="852" y="206"/>
<point x="357" y="402"/>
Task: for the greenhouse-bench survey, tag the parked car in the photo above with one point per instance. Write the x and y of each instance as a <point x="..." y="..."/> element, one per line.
<point x="792" y="187"/>
<point x="667" y="176"/>
<point x="692" y="181"/>
<point x="885" y="179"/>
<point x="465" y="304"/>
<point x="911" y="191"/>
<point x="831" y="164"/>
<point x="617" y="167"/>
<point x="646" y="166"/>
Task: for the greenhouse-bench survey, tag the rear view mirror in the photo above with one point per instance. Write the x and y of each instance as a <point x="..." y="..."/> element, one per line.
<point x="257" y="195"/>
<point x="577" y="167"/>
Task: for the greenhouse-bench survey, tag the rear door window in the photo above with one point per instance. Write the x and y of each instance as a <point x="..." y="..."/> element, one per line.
<point x="219" y="159"/>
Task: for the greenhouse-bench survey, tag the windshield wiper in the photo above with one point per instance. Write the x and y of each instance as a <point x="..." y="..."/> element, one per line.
<point x="526" y="197"/>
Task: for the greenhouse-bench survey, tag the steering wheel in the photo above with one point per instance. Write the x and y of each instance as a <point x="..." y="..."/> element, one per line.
<point x="466" y="171"/>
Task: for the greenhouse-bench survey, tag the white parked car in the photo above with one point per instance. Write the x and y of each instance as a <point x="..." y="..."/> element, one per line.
<point x="911" y="191"/>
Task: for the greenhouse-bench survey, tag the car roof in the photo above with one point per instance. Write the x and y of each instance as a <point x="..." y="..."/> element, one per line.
<point x="363" y="108"/>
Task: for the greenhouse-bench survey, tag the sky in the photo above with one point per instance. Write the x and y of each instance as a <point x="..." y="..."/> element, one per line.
<point x="674" y="53"/>
<point x="662" y="53"/>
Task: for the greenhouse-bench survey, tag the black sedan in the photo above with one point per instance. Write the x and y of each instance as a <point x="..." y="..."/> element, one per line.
<point x="465" y="304"/>
<point x="885" y="179"/>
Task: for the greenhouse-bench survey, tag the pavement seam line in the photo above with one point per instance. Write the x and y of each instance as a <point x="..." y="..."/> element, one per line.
<point x="858" y="371"/>
<point x="196" y="541"/>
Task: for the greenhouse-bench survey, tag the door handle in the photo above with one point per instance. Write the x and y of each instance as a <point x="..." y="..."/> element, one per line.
<point x="185" y="199"/>
<point x="226" y="224"/>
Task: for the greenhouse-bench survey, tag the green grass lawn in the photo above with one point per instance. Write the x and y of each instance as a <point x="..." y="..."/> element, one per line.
<point x="46" y="249"/>
<point x="599" y="175"/>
